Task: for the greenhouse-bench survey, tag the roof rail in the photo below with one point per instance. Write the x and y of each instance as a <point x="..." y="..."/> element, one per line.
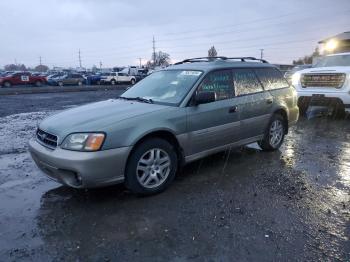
<point x="223" y="58"/>
<point x="244" y="58"/>
<point x="201" y="59"/>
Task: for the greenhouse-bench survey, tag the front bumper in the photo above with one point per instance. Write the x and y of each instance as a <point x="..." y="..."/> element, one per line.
<point x="324" y="98"/>
<point x="81" y="169"/>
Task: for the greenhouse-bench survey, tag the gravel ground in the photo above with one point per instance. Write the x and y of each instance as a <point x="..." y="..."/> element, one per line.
<point x="242" y="204"/>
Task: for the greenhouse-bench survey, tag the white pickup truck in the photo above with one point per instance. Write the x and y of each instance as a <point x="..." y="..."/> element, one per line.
<point x="118" y="77"/>
<point x="327" y="83"/>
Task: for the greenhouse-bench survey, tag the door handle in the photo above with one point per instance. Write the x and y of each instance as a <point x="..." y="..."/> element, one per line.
<point x="233" y="109"/>
<point x="269" y="100"/>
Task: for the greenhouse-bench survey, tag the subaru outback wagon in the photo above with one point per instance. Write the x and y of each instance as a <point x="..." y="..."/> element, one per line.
<point x="188" y="111"/>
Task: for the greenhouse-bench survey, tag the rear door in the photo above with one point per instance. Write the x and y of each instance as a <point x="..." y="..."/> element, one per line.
<point x="255" y="103"/>
<point x="123" y="77"/>
<point x="214" y="124"/>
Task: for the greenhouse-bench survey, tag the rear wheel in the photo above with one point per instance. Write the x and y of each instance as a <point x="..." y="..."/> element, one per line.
<point x="133" y="81"/>
<point x="7" y="84"/>
<point x="60" y="83"/>
<point x="151" y="167"/>
<point x="80" y="83"/>
<point x="38" y="83"/>
<point x="274" y="135"/>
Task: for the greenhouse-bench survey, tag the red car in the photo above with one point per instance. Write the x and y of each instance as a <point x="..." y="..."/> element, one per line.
<point x="22" y="78"/>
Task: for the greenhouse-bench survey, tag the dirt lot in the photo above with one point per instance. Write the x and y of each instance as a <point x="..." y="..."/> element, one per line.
<point x="242" y="205"/>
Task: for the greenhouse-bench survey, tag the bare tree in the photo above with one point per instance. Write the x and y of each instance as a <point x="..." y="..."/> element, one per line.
<point x="160" y="59"/>
<point x="212" y="52"/>
<point x="13" y="67"/>
<point x="307" y="59"/>
<point x="41" y="68"/>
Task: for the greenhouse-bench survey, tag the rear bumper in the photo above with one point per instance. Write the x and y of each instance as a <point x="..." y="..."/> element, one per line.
<point x="81" y="169"/>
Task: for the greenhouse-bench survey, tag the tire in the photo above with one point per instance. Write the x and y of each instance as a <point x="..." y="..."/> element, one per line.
<point x="274" y="139"/>
<point x="303" y="105"/>
<point x="145" y="175"/>
<point x="38" y="83"/>
<point x="60" y="83"/>
<point x="7" y="84"/>
<point x="133" y="81"/>
<point x="80" y="83"/>
<point x="113" y="82"/>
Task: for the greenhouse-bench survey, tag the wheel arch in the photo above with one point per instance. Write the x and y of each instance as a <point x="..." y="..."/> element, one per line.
<point x="163" y="134"/>
<point x="283" y="112"/>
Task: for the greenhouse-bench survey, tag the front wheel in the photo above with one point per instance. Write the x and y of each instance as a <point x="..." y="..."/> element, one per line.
<point x="38" y="83"/>
<point x="133" y="81"/>
<point x="7" y="84"/>
<point x="274" y="135"/>
<point x="113" y="82"/>
<point x="80" y="83"/>
<point x="151" y="167"/>
<point x="60" y="83"/>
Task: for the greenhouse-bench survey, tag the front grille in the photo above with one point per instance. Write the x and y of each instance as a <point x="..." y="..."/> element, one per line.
<point x="323" y="80"/>
<point x="46" y="139"/>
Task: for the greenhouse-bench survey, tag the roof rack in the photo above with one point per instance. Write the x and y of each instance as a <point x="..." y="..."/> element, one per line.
<point x="223" y="58"/>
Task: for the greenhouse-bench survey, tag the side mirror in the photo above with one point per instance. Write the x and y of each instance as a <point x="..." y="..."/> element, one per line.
<point x="205" y="97"/>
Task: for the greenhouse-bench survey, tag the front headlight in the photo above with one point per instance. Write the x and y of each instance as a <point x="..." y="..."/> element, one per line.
<point x="83" y="141"/>
<point x="295" y="78"/>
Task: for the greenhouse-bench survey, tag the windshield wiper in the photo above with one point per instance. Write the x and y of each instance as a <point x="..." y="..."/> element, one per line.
<point x="140" y="99"/>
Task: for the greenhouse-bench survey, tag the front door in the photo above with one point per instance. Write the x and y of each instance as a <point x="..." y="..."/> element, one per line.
<point x="214" y="124"/>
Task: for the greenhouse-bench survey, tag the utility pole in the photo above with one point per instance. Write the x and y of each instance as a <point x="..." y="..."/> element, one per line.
<point x="100" y="64"/>
<point x="80" y="59"/>
<point x="39" y="60"/>
<point x="261" y="53"/>
<point x="154" y="51"/>
<point x="140" y="58"/>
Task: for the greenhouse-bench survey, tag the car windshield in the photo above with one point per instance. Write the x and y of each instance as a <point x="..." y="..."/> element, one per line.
<point x="169" y="86"/>
<point x="335" y="60"/>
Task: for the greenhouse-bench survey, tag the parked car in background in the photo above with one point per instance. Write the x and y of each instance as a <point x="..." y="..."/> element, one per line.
<point x="95" y="79"/>
<point x="327" y="83"/>
<point x="67" y="79"/>
<point x="21" y="78"/>
<point x="174" y="116"/>
<point x="141" y="74"/>
<point x="288" y="75"/>
<point x="118" y="78"/>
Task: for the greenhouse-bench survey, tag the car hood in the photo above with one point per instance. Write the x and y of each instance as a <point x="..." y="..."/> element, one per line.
<point x="330" y="69"/>
<point x="95" y="117"/>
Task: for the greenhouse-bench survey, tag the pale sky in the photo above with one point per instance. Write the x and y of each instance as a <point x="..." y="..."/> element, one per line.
<point x="118" y="32"/>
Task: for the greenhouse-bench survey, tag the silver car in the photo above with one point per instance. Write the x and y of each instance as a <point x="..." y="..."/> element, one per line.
<point x="186" y="112"/>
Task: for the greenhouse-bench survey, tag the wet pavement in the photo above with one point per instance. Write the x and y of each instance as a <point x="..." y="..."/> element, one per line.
<point x="242" y="204"/>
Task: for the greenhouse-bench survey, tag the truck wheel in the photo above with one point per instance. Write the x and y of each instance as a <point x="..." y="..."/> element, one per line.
<point x="38" y="83"/>
<point x="274" y="134"/>
<point x="133" y="81"/>
<point x="151" y="167"/>
<point x="7" y="84"/>
<point x="113" y="82"/>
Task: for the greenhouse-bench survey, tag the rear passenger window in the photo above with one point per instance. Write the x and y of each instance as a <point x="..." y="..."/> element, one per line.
<point x="246" y="82"/>
<point x="219" y="82"/>
<point x="271" y="78"/>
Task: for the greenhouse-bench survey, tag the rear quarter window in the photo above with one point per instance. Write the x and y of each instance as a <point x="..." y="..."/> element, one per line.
<point x="271" y="78"/>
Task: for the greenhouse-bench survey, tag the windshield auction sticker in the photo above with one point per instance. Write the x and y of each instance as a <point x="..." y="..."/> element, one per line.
<point x="191" y="73"/>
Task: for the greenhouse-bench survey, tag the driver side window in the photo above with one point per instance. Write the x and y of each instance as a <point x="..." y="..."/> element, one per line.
<point x="219" y="82"/>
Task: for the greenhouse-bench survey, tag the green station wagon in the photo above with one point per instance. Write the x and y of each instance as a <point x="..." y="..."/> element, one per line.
<point x="188" y="111"/>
